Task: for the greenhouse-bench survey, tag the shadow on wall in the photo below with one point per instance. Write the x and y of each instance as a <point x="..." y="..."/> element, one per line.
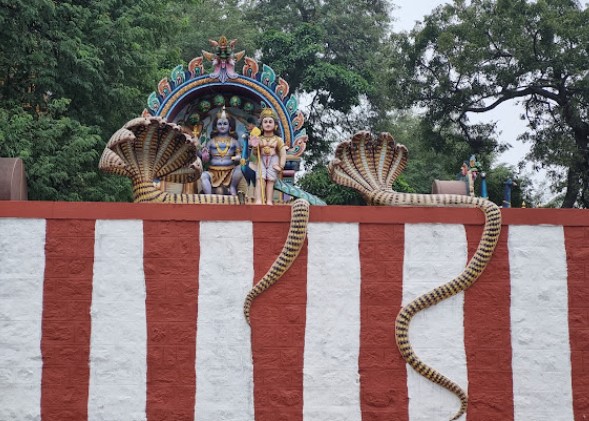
<point x="13" y="182"/>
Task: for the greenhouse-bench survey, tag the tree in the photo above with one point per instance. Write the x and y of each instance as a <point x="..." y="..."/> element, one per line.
<point x="317" y="182"/>
<point x="71" y="73"/>
<point x="202" y="21"/>
<point x="59" y="153"/>
<point x="329" y="52"/>
<point x="470" y="57"/>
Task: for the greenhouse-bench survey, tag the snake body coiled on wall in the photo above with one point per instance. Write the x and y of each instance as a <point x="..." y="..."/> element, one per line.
<point x="370" y="166"/>
<point x="292" y="247"/>
<point x="149" y="149"/>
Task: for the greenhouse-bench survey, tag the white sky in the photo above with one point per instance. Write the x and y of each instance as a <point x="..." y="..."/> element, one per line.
<point x="406" y="13"/>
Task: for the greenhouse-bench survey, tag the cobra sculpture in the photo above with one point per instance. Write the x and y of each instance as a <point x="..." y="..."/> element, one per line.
<point x="371" y="166"/>
<point x="150" y="148"/>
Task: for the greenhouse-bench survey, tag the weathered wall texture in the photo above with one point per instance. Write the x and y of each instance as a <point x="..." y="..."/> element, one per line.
<point x="132" y="312"/>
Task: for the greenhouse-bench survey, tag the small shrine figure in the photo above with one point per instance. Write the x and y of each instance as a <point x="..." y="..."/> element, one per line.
<point x="223" y="153"/>
<point x="268" y="156"/>
<point x="224" y="59"/>
<point x="469" y="173"/>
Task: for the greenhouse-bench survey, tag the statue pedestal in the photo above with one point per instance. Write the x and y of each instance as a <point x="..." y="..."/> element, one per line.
<point x="449" y="187"/>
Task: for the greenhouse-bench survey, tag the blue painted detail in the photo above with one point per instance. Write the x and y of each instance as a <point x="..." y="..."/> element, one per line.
<point x="261" y="91"/>
<point x="177" y="75"/>
<point x="153" y="103"/>
<point x="268" y="76"/>
<point x="292" y="105"/>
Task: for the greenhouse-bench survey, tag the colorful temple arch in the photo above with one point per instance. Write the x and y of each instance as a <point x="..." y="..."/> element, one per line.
<point x="191" y="98"/>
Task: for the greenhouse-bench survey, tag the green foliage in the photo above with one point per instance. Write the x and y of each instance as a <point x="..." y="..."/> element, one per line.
<point x="318" y="182"/>
<point x="72" y="72"/>
<point x="202" y="21"/>
<point x="101" y="58"/>
<point x="469" y="57"/>
<point x="328" y="51"/>
<point x="60" y="155"/>
<point x="496" y="178"/>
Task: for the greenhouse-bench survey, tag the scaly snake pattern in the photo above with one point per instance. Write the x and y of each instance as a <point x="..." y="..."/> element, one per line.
<point x="151" y="148"/>
<point x="146" y="149"/>
<point x="292" y="247"/>
<point x="370" y="166"/>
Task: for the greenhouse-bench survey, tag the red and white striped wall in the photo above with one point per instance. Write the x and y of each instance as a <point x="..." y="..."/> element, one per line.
<point x="134" y="312"/>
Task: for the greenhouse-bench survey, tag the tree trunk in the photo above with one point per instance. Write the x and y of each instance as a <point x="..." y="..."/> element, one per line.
<point x="573" y="187"/>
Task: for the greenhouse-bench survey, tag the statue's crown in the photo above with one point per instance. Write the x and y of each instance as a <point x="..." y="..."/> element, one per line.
<point x="267" y="112"/>
<point x="222" y="114"/>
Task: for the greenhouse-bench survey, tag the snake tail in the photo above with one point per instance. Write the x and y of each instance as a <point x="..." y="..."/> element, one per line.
<point x="463" y="281"/>
<point x="292" y="247"/>
<point x="370" y="166"/>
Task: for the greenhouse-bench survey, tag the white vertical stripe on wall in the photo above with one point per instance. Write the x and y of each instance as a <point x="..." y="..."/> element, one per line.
<point x="539" y="324"/>
<point x="22" y="267"/>
<point x="331" y="389"/>
<point x="434" y="255"/>
<point x="224" y="370"/>
<point x="119" y="335"/>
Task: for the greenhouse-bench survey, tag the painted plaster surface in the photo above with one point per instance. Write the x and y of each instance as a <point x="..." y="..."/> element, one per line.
<point x="75" y="309"/>
<point x="435" y="254"/>
<point x="539" y="324"/>
<point x="331" y="382"/>
<point x="224" y="371"/>
<point x="118" y="340"/>
<point x="22" y="263"/>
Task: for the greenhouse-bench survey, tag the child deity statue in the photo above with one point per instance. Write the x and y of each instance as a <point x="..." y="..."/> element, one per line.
<point x="268" y="156"/>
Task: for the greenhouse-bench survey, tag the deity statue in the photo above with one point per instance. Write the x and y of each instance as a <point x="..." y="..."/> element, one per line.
<point x="223" y="59"/>
<point x="268" y="156"/>
<point x="469" y="173"/>
<point x="223" y="153"/>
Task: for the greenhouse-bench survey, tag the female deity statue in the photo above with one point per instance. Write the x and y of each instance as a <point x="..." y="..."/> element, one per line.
<point x="268" y="156"/>
<point x="223" y="153"/>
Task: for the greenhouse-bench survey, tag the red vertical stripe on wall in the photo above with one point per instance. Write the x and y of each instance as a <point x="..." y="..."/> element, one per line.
<point x="577" y="249"/>
<point x="487" y="337"/>
<point x="278" y="329"/>
<point x="171" y="260"/>
<point x="65" y="341"/>
<point x="383" y="376"/>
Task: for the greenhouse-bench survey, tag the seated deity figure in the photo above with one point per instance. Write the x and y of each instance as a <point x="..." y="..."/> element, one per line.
<point x="268" y="156"/>
<point x="223" y="153"/>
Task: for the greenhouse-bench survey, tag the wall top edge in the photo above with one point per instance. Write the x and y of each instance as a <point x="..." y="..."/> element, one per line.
<point x="362" y="214"/>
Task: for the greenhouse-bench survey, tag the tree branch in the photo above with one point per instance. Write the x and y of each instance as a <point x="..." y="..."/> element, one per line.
<point x="509" y="94"/>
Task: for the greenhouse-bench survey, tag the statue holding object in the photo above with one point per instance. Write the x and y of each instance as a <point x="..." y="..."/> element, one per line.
<point x="268" y="157"/>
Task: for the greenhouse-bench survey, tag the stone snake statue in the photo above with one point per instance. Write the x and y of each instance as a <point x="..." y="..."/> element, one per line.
<point x="149" y="148"/>
<point x="370" y="166"/>
<point x="292" y="247"/>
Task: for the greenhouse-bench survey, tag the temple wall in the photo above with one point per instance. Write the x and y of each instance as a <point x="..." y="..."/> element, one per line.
<point x="131" y="312"/>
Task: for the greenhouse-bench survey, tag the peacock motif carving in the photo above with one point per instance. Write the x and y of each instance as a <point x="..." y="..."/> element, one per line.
<point x="371" y="165"/>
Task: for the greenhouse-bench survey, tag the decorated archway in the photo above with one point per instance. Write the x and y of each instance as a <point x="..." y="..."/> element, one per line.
<point x="191" y="98"/>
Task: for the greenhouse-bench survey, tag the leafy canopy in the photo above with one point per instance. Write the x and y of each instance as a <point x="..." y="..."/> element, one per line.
<point x="469" y="57"/>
